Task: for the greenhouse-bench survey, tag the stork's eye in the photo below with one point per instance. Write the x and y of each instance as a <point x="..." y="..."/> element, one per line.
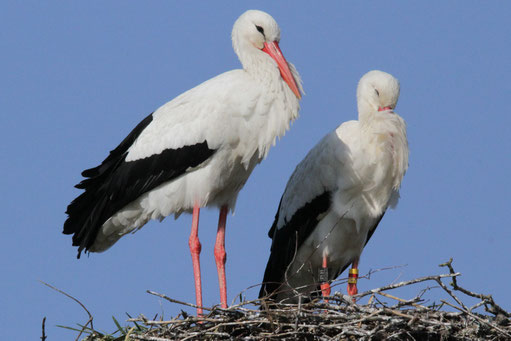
<point x="260" y="29"/>
<point x="377" y="93"/>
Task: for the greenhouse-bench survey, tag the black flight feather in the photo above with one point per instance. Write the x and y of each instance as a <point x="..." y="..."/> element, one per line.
<point x="285" y="242"/>
<point x="288" y="239"/>
<point x="117" y="182"/>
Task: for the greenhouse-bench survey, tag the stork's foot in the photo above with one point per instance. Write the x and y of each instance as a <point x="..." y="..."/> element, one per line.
<point x="352" y="289"/>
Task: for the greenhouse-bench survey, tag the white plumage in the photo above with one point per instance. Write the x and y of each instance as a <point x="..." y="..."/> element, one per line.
<point x="196" y="150"/>
<point x="339" y="192"/>
<point x="216" y="112"/>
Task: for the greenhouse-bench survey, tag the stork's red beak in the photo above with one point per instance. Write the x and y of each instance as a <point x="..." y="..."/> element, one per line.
<point x="273" y="50"/>
<point x="384" y="108"/>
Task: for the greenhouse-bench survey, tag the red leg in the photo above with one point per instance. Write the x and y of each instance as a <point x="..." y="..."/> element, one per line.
<point x="352" y="279"/>
<point x="195" y="248"/>
<point x="221" y="256"/>
<point x="323" y="278"/>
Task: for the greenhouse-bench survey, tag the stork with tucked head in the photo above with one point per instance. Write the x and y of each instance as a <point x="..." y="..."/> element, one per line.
<point x="195" y="151"/>
<point x="337" y="196"/>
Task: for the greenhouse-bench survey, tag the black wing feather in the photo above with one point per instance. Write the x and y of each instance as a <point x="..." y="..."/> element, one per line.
<point x="288" y="239"/>
<point x="371" y="231"/>
<point x="116" y="182"/>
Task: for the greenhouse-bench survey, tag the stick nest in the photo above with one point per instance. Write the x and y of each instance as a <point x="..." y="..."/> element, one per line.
<point x="339" y="318"/>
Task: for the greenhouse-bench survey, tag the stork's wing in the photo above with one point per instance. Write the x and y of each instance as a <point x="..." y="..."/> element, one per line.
<point x="371" y="231"/>
<point x="117" y="182"/>
<point x="306" y="198"/>
<point x="288" y="239"/>
<point x="182" y="134"/>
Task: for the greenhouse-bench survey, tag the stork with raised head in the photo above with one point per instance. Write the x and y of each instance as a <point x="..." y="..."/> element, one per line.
<point x="337" y="195"/>
<point x="195" y="151"/>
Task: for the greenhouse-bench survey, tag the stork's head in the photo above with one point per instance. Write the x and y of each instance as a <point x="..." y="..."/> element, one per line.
<point x="377" y="91"/>
<point x="255" y="39"/>
<point x="256" y="28"/>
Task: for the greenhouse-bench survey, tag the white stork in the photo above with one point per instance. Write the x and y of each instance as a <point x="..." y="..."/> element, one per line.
<point x="197" y="150"/>
<point x="337" y="195"/>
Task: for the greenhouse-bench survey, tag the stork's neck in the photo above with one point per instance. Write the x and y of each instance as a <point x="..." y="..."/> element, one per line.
<point x="365" y="111"/>
<point x="278" y="105"/>
<point x="260" y="66"/>
<point x="264" y="69"/>
<point x="384" y="141"/>
<point x="386" y="123"/>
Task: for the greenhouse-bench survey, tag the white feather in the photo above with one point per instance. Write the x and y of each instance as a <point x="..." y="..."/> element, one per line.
<point x="239" y="113"/>
<point x="362" y="163"/>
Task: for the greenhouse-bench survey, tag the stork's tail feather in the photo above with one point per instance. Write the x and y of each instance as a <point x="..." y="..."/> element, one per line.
<point x="87" y="213"/>
<point x="83" y="220"/>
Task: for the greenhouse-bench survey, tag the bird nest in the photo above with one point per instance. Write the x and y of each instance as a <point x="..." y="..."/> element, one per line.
<point x="335" y="318"/>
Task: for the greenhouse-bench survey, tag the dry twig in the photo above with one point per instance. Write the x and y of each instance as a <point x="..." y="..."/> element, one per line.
<point x="43" y="337"/>
<point x="89" y="321"/>
<point x="340" y="319"/>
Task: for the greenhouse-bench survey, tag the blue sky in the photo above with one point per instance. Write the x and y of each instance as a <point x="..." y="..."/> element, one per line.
<point x="76" y="77"/>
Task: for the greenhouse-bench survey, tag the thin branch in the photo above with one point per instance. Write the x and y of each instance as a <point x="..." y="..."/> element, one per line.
<point x="404" y="302"/>
<point x="339" y="319"/>
<point x="495" y="308"/>
<point x="43" y="337"/>
<point x="89" y="321"/>
<point x="405" y="283"/>
<point x="180" y="302"/>
<point x="479" y="319"/>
